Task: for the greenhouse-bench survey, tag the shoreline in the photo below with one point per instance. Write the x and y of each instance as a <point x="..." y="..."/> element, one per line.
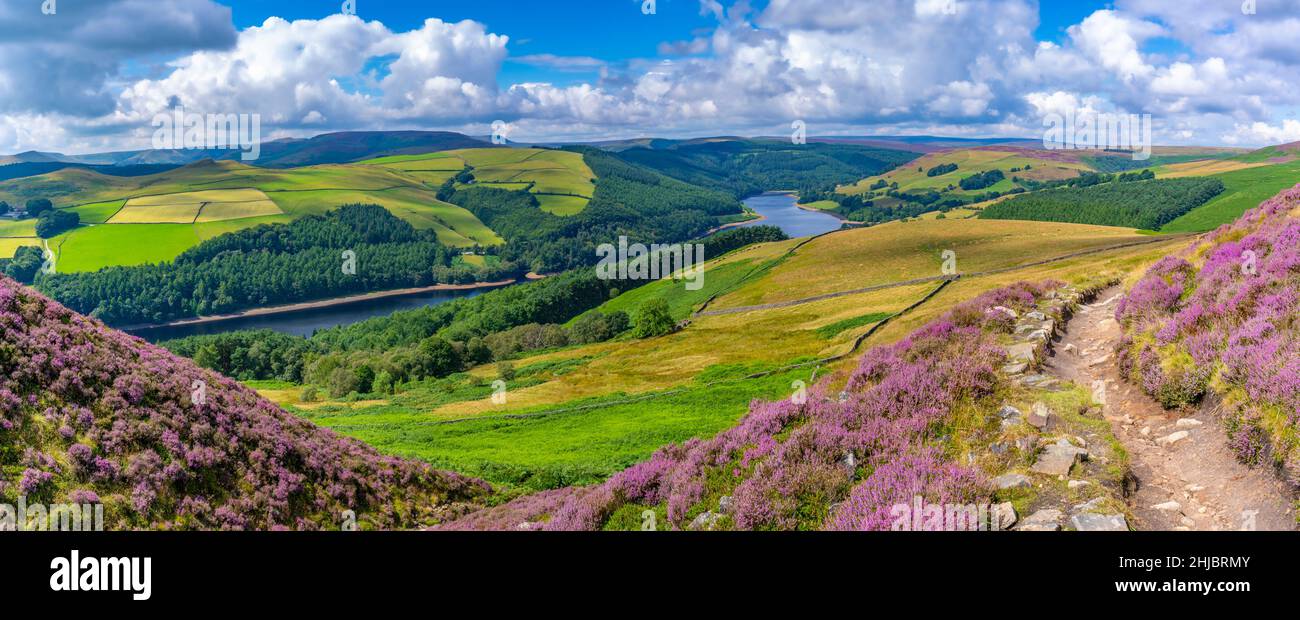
<point x="315" y="305"/>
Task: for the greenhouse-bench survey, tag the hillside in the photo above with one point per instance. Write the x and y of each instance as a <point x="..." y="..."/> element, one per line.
<point x="90" y="414"/>
<point x="1217" y="322"/>
<point x="329" y="148"/>
<point x="581" y="412"/>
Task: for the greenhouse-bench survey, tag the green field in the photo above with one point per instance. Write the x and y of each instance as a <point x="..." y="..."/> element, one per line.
<point x="218" y="197"/>
<point x="10" y="245"/>
<point x="1245" y="189"/>
<point x="92" y="247"/>
<point x="17" y="228"/>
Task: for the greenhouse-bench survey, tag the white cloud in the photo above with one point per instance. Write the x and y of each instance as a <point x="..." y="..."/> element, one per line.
<point x="965" y="67"/>
<point x="1263" y="133"/>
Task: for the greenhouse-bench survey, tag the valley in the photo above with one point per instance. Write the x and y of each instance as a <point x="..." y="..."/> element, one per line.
<point x="559" y="383"/>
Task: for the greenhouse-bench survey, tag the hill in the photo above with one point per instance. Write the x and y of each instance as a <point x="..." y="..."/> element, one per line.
<point x="330" y="148"/>
<point x="92" y="415"/>
<point x="749" y="166"/>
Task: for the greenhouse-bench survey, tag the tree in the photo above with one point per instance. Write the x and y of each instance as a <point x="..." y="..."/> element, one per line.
<point x="437" y="357"/>
<point x="25" y="263"/>
<point x="506" y="371"/>
<point x="365" y="378"/>
<point x="54" y="223"/>
<point x="37" y="206"/>
<point x="654" y="320"/>
<point x="384" y="383"/>
<point x="4" y="207"/>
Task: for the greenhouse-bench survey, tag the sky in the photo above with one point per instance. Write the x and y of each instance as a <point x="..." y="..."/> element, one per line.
<point x="92" y="75"/>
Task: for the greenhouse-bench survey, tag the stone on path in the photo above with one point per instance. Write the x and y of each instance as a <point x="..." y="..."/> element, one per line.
<point x="1099" y="523"/>
<point x="1188" y="423"/>
<point x="1046" y="520"/>
<point x="1039" y="415"/>
<point x="1169" y="506"/>
<point x="1058" y="458"/>
<point x="1011" y="481"/>
<point x="1171" y="439"/>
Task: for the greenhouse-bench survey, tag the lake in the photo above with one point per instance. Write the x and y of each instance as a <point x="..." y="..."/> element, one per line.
<point x="781" y="210"/>
<point x="306" y="322"/>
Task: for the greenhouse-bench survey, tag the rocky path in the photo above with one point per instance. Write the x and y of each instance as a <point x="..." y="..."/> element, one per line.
<point x="1188" y="478"/>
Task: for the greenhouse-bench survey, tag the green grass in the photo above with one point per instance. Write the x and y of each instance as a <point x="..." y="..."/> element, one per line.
<point x="1245" y="189"/>
<point x="835" y="329"/>
<point x="9" y="245"/>
<point x="91" y="248"/>
<point x="562" y="205"/>
<point x="18" y="228"/>
<point x="97" y="198"/>
<point x="98" y="212"/>
<point x="681" y="302"/>
<point x="550" y="451"/>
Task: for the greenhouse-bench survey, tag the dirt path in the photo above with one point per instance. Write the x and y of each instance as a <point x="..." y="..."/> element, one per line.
<point x="1196" y="483"/>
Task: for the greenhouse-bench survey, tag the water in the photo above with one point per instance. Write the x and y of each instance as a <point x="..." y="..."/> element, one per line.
<point x="780" y="211"/>
<point x="306" y="322"/>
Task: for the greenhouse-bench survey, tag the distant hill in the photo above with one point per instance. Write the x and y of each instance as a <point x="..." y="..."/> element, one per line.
<point x="91" y="415"/>
<point x="748" y="166"/>
<point x="330" y="148"/>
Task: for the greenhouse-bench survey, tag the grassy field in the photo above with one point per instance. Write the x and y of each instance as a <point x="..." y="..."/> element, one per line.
<point x="92" y="247"/>
<point x="9" y="245"/>
<point x="970" y="161"/>
<point x="217" y="197"/>
<point x="691" y="382"/>
<point x="17" y="228"/>
<point x="1245" y="189"/>
<point x="900" y="251"/>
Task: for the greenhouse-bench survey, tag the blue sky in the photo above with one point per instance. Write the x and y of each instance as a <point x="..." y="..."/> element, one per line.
<point x="93" y="77"/>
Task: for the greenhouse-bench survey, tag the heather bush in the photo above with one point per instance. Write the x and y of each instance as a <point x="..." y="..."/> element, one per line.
<point x="1223" y="316"/>
<point x="168" y="445"/>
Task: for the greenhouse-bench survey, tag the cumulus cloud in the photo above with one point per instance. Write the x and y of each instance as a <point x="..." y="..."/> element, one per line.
<point x="964" y="67"/>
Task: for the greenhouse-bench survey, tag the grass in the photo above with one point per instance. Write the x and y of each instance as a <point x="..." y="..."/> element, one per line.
<point x="180" y="213"/>
<point x="91" y="248"/>
<point x="549" y="451"/>
<point x="1245" y="189"/>
<point x="900" y="251"/>
<point x="913" y="176"/>
<point x="838" y="327"/>
<point x="562" y="205"/>
<point x="18" y="228"/>
<point x="98" y="212"/>
<point x="9" y="245"/>
<point x="584" y="446"/>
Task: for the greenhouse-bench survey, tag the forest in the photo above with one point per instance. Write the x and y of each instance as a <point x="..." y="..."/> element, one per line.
<point x="1146" y="204"/>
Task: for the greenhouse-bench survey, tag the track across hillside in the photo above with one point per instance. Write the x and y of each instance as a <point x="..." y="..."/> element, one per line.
<point x="1188" y="478"/>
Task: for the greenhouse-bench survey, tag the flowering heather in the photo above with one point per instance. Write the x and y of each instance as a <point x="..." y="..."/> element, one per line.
<point x="828" y="463"/>
<point x="98" y="415"/>
<point x="1230" y="324"/>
